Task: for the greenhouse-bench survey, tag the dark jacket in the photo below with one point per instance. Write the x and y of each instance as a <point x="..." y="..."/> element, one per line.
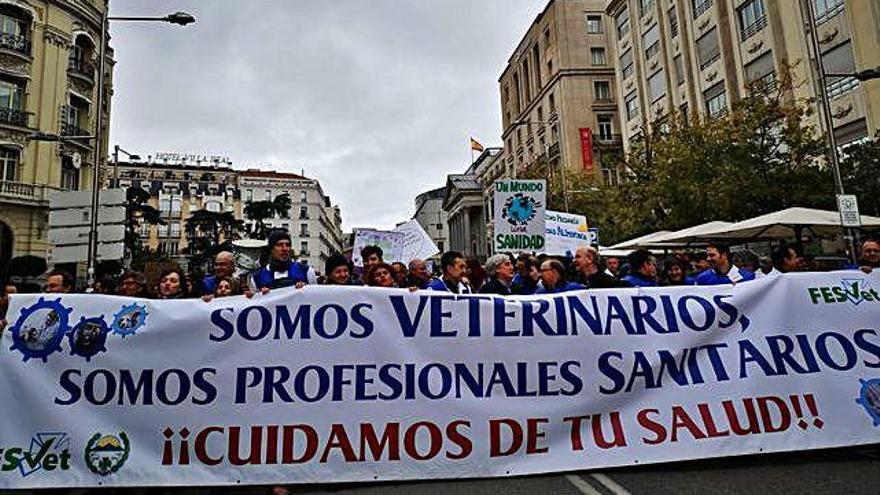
<point x="601" y="280"/>
<point x="495" y="286"/>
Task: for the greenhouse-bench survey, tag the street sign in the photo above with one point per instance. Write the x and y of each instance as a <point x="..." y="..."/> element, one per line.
<point x="73" y="254"/>
<point x="848" y="206"/>
<point x="73" y="217"/>
<point x="80" y="235"/>
<point x="83" y="199"/>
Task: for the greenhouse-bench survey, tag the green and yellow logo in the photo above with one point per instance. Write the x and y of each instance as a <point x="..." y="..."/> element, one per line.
<point x="851" y="290"/>
<point x="106" y="454"/>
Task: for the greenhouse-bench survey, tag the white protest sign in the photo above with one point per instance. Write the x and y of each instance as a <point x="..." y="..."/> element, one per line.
<point x="565" y="232"/>
<point x="416" y="243"/>
<point x="519" y="215"/>
<point x="390" y="242"/>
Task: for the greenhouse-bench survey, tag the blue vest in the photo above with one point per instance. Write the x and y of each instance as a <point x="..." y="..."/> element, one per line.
<point x="296" y="272"/>
<point x="567" y="287"/>
<point x="638" y="281"/>
<point x="711" y="277"/>
<point x="209" y="285"/>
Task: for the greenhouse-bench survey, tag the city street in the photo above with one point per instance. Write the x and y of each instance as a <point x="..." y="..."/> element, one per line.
<point x="851" y="471"/>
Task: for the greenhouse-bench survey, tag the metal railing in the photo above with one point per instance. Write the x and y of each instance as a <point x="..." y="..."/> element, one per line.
<point x="72" y="129"/>
<point x="83" y="68"/>
<point x="16" y="43"/>
<point x="753" y="28"/>
<point x="14" y="117"/>
<point x="701" y="6"/>
<point x="608" y="139"/>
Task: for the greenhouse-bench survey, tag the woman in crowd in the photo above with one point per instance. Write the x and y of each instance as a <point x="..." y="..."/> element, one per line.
<point x="171" y="284"/>
<point x="226" y="286"/>
<point x="380" y="275"/>
<point x="338" y="271"/>
<point x="674" y="273"/>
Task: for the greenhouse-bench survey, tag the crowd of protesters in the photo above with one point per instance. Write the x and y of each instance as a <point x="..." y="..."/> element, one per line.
<point x="501" y="274"/>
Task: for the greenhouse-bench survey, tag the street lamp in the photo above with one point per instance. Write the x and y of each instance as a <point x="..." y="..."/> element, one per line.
<point x="116" y="151"/>
<point x="829" y="120"/>
<point x="546" y="123"/>
<point x="179" y="18"/>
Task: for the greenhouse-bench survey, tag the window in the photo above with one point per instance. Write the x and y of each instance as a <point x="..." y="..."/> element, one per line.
<point x="611" y="177"/>
<point x="673" y="22"/>
<point x="304" y="248"/>
<point x="752" y="19"/>
<point x="707" y="48"/>
<point x="175" y="229"/>
<point x="10" y="96"/>
<point x="13" y="33"/>
<point x="839" y="60"/>
<point x="164" y="206"/>
<point x="439" y="226"/>
<point x="144" y="229"/>
<point x="597" y="55"/>
<point x="303" y="196"/>
<point x="164" y="230"/>
<point x="657" y="85"/>
<point x="552" y="100"/>
<point x="651" y="41"/>
<point x="606" y="130"/>
<point x="626" y="64"/>
<point x="645" y="6"/>
<point x="303" y="230"/>
<point x="594" y="24"/>
<point x="683" y="109"/>
<point x="536" y="55"/>
<point x="69" y="175"/>
<point x="304" y="212"/>
<point x="547" y="37"/>
<point x="826" y="9"/>
<point x="716" y="100"/>
<point x="249" y="195"/>
<point x="268" y="196"/>
<point x="701" y="6"/>
<point x="679" y="70"/>
<point x="8" y="164"/>
<point x="622" y="24"/>
<point x="549" y="69"/>
<point x="632" y="106"/>
<point x="213" y="206"/>
<point x="176" y="204"/>
<point x="763" y="70"/>
<point x="602" y="90"/>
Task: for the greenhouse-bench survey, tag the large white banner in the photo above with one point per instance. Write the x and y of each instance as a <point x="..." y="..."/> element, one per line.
<point x="358" y="384"/>
<point x="519" y="207"/>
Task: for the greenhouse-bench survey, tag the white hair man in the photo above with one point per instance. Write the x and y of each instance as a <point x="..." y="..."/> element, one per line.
<point x="500" y="269"/>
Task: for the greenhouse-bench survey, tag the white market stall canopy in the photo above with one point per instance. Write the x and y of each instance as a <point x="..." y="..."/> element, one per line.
<point x="690" y="234"/>
<point x="782" y="224"/>
<point x="638" y="242"/>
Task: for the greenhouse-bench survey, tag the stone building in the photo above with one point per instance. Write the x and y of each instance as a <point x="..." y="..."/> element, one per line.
<point x="432" y="217"/>
<point x="699" y="57"/>
<point x="466" y="206"/>
<point x="48" y="84"/>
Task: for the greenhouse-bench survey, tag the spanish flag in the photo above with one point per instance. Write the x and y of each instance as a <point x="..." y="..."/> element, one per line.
<point x="476" y="146"/>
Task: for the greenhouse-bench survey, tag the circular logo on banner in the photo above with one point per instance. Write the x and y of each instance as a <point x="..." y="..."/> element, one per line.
<point x="869" y="398"/>
<point x="520" y="209"/>
<point x="88" y="337"/>
<point x="129" y="319"/>
<point x="40" y="328"/>
<point x="106" y="454"/>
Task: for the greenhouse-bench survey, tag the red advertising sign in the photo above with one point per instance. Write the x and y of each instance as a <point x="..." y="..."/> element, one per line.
<point x="587" y="147"/>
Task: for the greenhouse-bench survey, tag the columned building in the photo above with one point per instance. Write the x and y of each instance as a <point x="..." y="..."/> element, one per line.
<point x="465" y="204"/>
<point x="558" y="92"/>
<point x="701" y="56"/>
<point x="48" y="83"/>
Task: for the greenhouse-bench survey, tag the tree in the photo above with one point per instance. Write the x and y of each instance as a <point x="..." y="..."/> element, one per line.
<point x="758" y="158"/>
<point x="860" y="170"/>
<point x="260" y="211"/>
<point x="138" y="212"/>
<point x="209" y="232"/>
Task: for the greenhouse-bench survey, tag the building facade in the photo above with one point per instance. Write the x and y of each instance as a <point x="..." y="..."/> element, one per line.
<point x="432" y="217"/>
<point x="558" y="94"/>
<point x="48" y="83"/>
<point x="314" y="223"/>
<point x="465" y="205"/>
<point x="177" y="189"/>
<point x="701" y="56"/>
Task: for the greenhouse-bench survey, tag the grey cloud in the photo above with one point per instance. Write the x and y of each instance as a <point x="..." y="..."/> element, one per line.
<point x="374" y="98"/>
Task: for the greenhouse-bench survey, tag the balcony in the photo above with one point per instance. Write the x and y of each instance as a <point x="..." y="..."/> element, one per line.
<point x="83" y="70"/>
<point x="24" y="193"/>
<point x="16" y="43"/>
<point x="72" y="129"/>
<point x="11" y="116"/>
<point x="753" y="28"/>
<point x="608" y="139"/>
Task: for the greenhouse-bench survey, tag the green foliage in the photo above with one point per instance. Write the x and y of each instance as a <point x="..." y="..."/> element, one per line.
<point x="205" y="230"/>
<point x="260" y="211"/>
<point x="860" y="170"/>
<point x="758" y="158"/>
<point x="137" y="213"/>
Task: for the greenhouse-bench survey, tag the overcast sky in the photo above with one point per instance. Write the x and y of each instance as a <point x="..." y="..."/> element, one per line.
<point x="375" y="98"/>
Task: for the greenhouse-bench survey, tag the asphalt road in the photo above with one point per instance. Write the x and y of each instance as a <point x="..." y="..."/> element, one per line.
<point x="851" y="471"/>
